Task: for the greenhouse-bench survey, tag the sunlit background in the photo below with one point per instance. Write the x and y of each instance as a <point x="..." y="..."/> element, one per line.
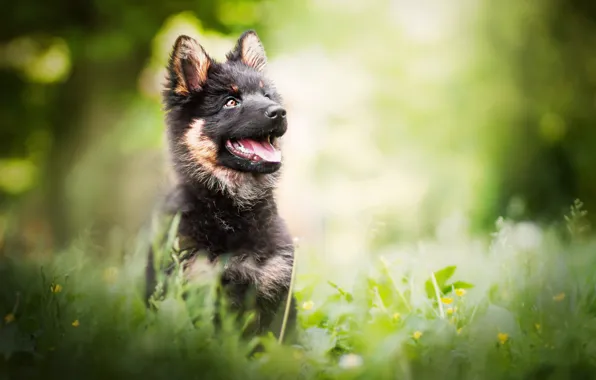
<point x="407" y="119"/>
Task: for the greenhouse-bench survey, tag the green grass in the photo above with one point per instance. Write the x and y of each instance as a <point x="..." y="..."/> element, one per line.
<point x="527" y="311"/>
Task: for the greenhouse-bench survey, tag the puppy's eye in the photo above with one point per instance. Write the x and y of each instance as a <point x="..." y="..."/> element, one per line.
<point x="231" y="103"/>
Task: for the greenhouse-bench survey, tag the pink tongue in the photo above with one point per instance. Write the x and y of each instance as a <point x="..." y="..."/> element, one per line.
<point x="262" y="149"/>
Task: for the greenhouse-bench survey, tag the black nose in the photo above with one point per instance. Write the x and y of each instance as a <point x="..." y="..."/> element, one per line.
<point x="275" y="112"/>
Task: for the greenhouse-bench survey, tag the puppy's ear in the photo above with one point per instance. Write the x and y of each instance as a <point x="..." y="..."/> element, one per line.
<point x="250" y="51"/>
<point x="188" y="67"/>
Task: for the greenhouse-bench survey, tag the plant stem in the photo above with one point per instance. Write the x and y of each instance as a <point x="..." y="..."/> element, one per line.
<point x="438" y="294"/>
<point x="289" y="300"/>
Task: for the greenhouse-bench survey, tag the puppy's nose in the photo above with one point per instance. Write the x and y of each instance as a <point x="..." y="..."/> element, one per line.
<point x="275" y="112"/>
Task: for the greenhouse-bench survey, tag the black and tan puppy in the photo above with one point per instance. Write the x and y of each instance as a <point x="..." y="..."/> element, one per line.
<point x="224" y="124"/>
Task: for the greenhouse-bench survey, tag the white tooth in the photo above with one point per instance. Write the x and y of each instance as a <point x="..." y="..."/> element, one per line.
<point x="242" y="148"/>
<point x="238" y="146"/>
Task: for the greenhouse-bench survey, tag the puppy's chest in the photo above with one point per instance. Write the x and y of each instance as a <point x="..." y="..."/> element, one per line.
<point x="246" y="255"/>
<point x="218" y="233"/>
<point x="269" y="275"/>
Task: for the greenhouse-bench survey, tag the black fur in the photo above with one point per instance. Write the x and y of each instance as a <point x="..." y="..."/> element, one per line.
<point x="226" y="202"/>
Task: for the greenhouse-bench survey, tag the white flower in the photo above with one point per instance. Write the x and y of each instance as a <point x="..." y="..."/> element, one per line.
<point x="527" y="236"/>
<point x="350" y="361"/>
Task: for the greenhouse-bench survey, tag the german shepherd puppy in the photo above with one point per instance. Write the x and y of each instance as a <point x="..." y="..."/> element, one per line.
<point x="224" y="124"/>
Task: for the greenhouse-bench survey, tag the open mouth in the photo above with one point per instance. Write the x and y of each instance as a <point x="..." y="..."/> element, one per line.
<point x="254" y="150"/>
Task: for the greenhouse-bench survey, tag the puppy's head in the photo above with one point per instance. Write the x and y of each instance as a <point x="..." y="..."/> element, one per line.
<point x="225" y="119"/>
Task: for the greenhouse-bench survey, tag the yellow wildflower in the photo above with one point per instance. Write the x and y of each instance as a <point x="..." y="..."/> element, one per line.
<point x="75" y="323"/>
<point x="460" y="292"/>
<point x="537" y="325"/>
<point x="559" y="297"/>
<point x="503" y="337"/>
<point x="56" y="288"/>
<point x="9" y="318"/>
<point x="417" y="334"/>
<point x="447" y="300"/>
<point x="396" y="316"/>
<point x="451" y="310"/>
<point x="308" y="305"/>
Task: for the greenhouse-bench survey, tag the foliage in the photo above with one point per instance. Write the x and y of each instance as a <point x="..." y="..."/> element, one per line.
<point x="75" y="316"/>
<point x="404" y="114"/>
<point x="462" y="106"/>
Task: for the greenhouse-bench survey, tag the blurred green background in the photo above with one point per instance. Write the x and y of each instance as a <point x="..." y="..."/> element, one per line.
<point x="403" y="114"/>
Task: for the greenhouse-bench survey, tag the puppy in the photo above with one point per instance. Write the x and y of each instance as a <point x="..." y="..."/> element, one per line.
<point x="224" y="125"/>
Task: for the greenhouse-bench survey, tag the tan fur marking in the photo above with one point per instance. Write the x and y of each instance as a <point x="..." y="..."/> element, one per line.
<point x="200" y="146"/>
<point x="188" y="51"/>
<point x="253" y="53"/>
<point x="235" y="88"/>
<point x="181" y="87"/>
<point x="268" y="276"/>
<point x="244" y="188"/>
<point x="200" y="269"/>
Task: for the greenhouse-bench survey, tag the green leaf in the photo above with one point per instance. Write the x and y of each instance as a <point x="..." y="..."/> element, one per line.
<point x="314" y="319"/>
<point x="462" y="285"/>
<point x="444" y="274"/>
<point x="429" y="288"/>
<point x="456" y="285"/>
<point x="319" y="341"/>
<point x="441" y="276"/>
<point x="347" y="295"/>
<point x="173" y="231"/>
